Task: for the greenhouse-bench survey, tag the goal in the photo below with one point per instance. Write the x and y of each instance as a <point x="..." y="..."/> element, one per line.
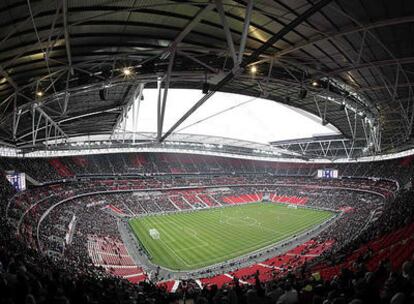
<point x="266" y="197"/>
<point x="292" y="206"/>
<point x="154" y="234"/>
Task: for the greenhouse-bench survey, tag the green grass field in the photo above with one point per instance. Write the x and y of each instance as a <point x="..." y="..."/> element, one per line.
<point x="197" y="239"/>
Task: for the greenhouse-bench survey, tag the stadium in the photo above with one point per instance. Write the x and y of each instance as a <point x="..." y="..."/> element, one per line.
<point x="206" y="151"/>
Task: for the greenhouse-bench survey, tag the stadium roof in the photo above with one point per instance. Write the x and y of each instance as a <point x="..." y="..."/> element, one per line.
<point x="75" y="68"/>
<point x="227" y="115"/>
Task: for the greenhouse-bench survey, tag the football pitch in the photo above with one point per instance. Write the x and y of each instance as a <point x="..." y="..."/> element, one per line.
<point x="192" y="240"/>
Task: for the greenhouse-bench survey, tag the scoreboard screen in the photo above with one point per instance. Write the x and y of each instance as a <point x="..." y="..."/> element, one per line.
<point x="17" y="179"/>
<point x="327" y="173"/>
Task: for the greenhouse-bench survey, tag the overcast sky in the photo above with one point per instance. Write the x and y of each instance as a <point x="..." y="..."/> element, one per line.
<point x="244" y="117"/>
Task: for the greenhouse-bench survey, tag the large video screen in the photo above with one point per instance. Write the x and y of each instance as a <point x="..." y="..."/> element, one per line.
<point x="327" y="173"/>
<point x="17" y="179"/>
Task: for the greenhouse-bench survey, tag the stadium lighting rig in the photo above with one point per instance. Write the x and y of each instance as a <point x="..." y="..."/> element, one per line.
<point x="127" y="71"/>
<point x="39" y="93"/>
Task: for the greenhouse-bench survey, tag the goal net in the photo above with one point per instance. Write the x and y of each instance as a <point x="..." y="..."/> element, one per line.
<point x="154" y="234"/>
<point x="293" y="206"/>
<point x="266" y="197"/>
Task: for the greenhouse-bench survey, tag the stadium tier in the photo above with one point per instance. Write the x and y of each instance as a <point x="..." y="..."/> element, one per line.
<point x="206" y="229"/>
<point x="206" y="152"/>
<point x="44" y="170"/>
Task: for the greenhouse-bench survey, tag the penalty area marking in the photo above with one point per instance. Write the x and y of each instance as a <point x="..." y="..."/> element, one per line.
<point x="189" y="248"/>
<point x="177" y="257"/>
<point x="191" y="233"/>
<point x="175" y="253"/>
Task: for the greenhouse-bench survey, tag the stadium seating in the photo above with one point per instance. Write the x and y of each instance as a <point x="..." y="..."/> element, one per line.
<point x="273" y="267"/>
<point x="208" y="200"/>
<point x="179" y="202"/>
<point x="397" y="246"/>
<point x="114" y="258"/>
<point x="130" y="163"/>
<point x="374" y="221"/>
<point x="288" y="200"/>
<point x="61" y="169"/>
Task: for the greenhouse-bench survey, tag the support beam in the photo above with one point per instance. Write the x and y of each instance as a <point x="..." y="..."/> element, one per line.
<point x="8" y="78"/>
<point x="122" y="117"/>
<point x="108" y="110"/>
<point x="325" y="146"/>
<point x="50" y="120"/>
<point x="322" y="115"/>
<point x="188" y="28"/>
<point x="378" y="64"/>
<point x="163" y="104"/>
<point x="280" y="34"/>
<point x="345" y="149"/>
<point x="197" y="61"/>
<point x="67" y="94"/>
<point x="247" y="18"/>
<point x="39" y="115"/>
<point x="66" y="34"/>
<point x="35" y="127"/>
<point x="349" y="123"/>
<point x="344" y="32"/>
<point x="227" y="32"/>
<point x="16" y="117"/>
<point x="135" y="111"/>
<point x="159" y="106"/>
<point x="385" y="87"/>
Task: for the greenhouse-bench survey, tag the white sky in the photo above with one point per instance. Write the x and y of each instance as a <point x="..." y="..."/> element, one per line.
<point x="252" y="119"/>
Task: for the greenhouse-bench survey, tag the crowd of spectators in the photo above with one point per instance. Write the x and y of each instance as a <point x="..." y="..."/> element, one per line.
<point x="34" y="202"/>
<point x="46" y="169"/>
<point x="39" y="200"/>
<point x="28" y="276"/>
<point x="92" y="218"/>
